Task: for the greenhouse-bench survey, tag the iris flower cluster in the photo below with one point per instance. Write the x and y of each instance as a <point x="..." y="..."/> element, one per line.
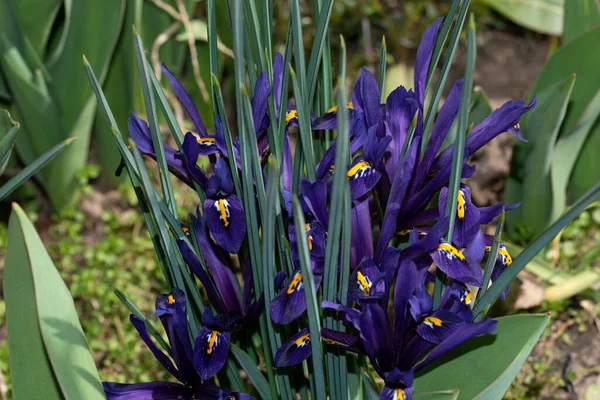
<point x="398" y="185"/>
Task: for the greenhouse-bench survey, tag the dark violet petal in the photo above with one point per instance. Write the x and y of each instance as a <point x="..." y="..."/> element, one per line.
<point x="456" y="266"/>
<point x="295" y="350"/>
<point x="194" y="263"/>
<point x="406" y="283"/>
<point x="476" y="248"/>
<point x="424" y="54"/>
<point x="191" y="151"/>
<point x="435" y="328"/>
<point x="375" y="331"/>
<point x="210" y="391"/>
<point x="315" y="197"/>
<point x="290" y="303"/>
<point x="262" y="90"/>
<point x="500" y="120"/>
<point x="460" y="335"/>
<point x="187" y="102"/>
<point x="140" y="134"/>
<point x="364" y="281"/>
<point x="342" y="340"/>
<point x="146" y="391"/>
<point x="158" y="353"/>
<point x="365" y="97"/>
<point x="400" y="110"/>
<point x="396" y="199"/>
<point x="362" y="177"/>
<point x="391" y="393"/>
<point x="210" y="352"/>
<point x="466" y="224"/>
<point x="226" y="221"/>
<point x="440" y="130"/>
<point x="487" y="214"/>
<point x="222" y="171"/>
<point x="362" y="235"/>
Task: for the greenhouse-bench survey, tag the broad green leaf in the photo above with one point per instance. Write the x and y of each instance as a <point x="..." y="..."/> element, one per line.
<point x="484" y="367"/>
<point x="48" y="350"/>
<point x="35" y="19"/>
<point x="580" y="17"/>
<point x="543" y="16"/>
<point x="8" y="136"/>
<point x="578" y="57"/>
<point x="443" y="395"/>
<point x="566" y="153"/>
<point x="532" y="161"/>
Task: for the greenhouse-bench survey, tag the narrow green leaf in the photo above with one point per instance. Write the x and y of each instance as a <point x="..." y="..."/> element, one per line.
<point x="542" y="16"/>
<point x="535" y="247"/>
<point x="249" y="366"/>
<point x="382" y="68"/>
<point x="491" y="261"/>
<point x="38" y="300"/>
<point x="318" y="48"/>
<point x="312" y="306"/>
<point x="441" y="82"/>
<point x="468" y="367"/>
<point x="305" y="130"/>
<point x="32" y="168"/>
<point x="532" y="162"/>
<point x="8" y="140"/>
<point x="134" y="310"/>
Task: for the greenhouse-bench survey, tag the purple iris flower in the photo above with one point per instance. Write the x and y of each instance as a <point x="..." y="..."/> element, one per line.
<point x="182" y="365"/>
<point x="223" y="209"/>
<point x="396" y="343"/>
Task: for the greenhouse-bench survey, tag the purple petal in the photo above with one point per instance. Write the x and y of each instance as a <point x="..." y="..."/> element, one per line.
<point x="423" y="59"/>
<point x="187" y="102"/>
<point x="441" y="127"/>
<point x="365" y="97"/>
<point x="390" y="393"/>
<point x="438" y="326"/>
<point x="406" y="283"/>
<point x="400" y="111"/>
<point x="362" y="177"/>
<point x="290" y="303"/>
<point x="145" y="391"/>
<point x="362" y="234"/>
<point x="461" y="335"/>
<point x="191" y="151"/>
<point x="375" y="331"/>
<point x="342" y="340"/>
<point x="226" y="221"/>
<point x="210" y="352"/>
<point x="158" y="353"/>
<point x="315" y="196"/>
<point x="277" y="80"/>
<point x="262" y="91"/>
<point x="295" y="350"/>
<point x="450" y="261"/>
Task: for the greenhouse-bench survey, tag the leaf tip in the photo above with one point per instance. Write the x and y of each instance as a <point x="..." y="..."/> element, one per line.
<point x="134" y="30"/>
<point x="70" y="140"/>
<point x="215" y="80"/>
<point x="343" y="42"/>
<point x="85" y="60"/>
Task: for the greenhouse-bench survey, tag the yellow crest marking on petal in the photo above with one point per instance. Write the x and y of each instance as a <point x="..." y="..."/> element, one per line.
<point x="222" y="207"/>
<point x="488" y="248"/>
<point x="354" y="170"/>
<point x="310" y="243"/>
<point x="399" y="394"/>
<point x="294" y="283"/>
<point x="302" y="340"/>
<point x="468" y="298"/>
<point x="332" y="109"/>
<point x="171" y="299"/>
<point x="452" y="250"/>
<point x="503" y="251"/>
<point x="212" y="340"/>
<point x="291" y="115"/>
<point x="206" y="140"/>
<point x="460" y="209"/>
<point x="364" y="283"/>
<point x="518" y="125"/>
<point x="433" y="321"/>
<point x="307" y="227"/>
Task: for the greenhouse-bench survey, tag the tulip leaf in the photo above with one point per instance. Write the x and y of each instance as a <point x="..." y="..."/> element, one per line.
<point x="8" y="139"/>
<point x="530" y="180"/>
<point x="49" y="352"/>
<point x="578" y="57"/>
<point x="469" y="368"/>
<point x="543" y="16"/>
<point x="442" y="395"/>
<point x="566" y="153"/>
<point x="580" y="17"/>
